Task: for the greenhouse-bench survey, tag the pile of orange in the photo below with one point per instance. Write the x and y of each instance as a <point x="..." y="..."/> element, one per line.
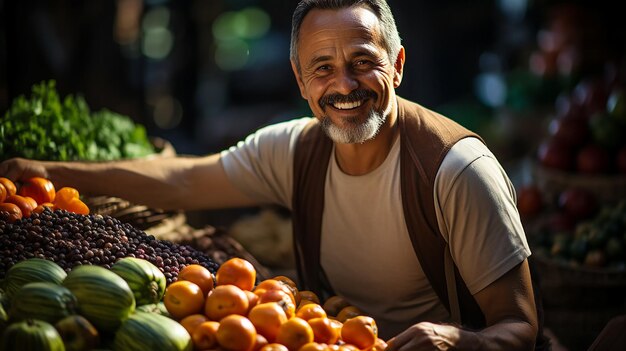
<point x="230" y="311"/>
<point x="35" y="194"/>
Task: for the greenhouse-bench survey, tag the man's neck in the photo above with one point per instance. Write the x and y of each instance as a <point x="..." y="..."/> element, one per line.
<point x="360" y="159"/>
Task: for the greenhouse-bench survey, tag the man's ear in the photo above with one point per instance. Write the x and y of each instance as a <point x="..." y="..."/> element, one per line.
<point x="299" y="80"/>
<point x="399" y="68"/>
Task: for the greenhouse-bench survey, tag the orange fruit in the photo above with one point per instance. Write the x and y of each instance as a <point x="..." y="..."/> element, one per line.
<point x="192" y="321"/>
<point x="76" y="206"/>
<point x="204" y="335"/>
<point x="348" y="347"/>
<point x="39" y="188"/>
<point x="259" y="342"/>
<point x="253" y="299"/>
<point x="236" y="333"/>
<point x="274" y="347"/>
<point x="199" y="275"/>
<point x="26" y="204"/>
<point x="379" y="345"/>
<point x="294" y="333"/>
<point x="309" y="295"/>
<point x="9" y="186"/>
<point x="41" y="207"/>
<point x="348" y="312"/>
<point x="273" y="284"/>
<point x="334" y="304"/>
<point x="291" y="285"/>
<point x="324" y="330"/>
<point x="183" y="298"/>
<point x="281" y="298"/>
<point x="310" y="310"/>
<point x="224" y="300"/>
<point x="3" y="193"/>
<point x="360" y="331"/>
<point x="10" y="212"/>
<point x="267" y="319"/>
<point x="238" y="272"/>
<point x="313" y="346"/>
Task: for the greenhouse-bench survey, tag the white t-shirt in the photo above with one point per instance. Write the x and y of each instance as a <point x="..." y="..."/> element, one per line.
<point x="366" y="251"/>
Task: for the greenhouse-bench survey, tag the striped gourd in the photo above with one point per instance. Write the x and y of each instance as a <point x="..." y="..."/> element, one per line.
<point x="104" y="298"/>
<point x="45" y="301"/>
<point x="145" y="279"/>
<point x="31" y="335"/>
<point x="149" y="331"/>
<point x="31" y="270"/>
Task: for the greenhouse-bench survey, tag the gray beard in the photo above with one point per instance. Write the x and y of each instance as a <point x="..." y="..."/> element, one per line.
<point x="356" y="132"/>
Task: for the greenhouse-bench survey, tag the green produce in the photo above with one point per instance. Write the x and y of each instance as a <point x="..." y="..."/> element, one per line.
<point x="31" y="335"/>
<point x="103" y="296"/>
<point x="148" y="331"/>
<point x="158" y="308"/>
<point x="31" y="270"/>
<point x="45" y="301"/>
<point x="145" y="279"/>
<point x="4" y="319"/>
<point x="78" y="333"/>
<point x="45" y="127"/>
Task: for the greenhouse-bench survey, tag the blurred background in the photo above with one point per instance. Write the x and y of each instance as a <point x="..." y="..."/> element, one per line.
<point x="203" y="74"/>
<point x="542" y="81"/>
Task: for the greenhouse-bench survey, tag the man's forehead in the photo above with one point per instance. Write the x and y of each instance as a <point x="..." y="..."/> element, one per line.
<point x="320" y="20"/>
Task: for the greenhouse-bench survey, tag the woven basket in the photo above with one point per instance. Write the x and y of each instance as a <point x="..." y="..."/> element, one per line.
<point x="579" y="301"/>
<point x="606" y="188"/>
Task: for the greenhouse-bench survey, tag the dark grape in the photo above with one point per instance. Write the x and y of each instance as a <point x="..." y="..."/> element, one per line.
<point x="71" y="239"/>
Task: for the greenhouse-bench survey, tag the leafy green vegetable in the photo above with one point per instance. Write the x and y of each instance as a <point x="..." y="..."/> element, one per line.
<point x="44" y="127"/>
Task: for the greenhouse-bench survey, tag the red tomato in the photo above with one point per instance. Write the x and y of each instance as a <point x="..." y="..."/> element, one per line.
<point x="40" y="189"/>
<point x="26" y="204"/>
<point x="10" y="212"/>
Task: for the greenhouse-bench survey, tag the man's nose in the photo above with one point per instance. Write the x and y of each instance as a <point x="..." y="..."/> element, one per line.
<point x="345" y="81"/>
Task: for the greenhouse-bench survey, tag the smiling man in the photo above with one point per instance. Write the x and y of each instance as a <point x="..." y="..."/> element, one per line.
<point x="400" y="210"/>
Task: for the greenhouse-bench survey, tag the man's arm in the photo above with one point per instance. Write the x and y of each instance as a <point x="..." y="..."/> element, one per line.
<point x="186" y="183"/>
<point x="509" y="308"/>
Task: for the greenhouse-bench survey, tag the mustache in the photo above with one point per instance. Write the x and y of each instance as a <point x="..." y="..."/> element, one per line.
<point x="356" y="95"/>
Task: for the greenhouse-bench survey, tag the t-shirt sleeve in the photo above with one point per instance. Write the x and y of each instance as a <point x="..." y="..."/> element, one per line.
<point x="261" y="166"/>
<point x="477" y="214"/>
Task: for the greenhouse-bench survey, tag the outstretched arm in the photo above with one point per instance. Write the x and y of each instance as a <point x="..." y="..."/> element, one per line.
<point x="186" y="183"/>
<point x="509" y="309"/>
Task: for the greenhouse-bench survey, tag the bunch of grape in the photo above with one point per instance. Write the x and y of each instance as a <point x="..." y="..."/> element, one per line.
<point x="71" y="239"/>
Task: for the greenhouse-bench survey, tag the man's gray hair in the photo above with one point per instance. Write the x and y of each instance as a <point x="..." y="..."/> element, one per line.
<point x="390" y="35"/>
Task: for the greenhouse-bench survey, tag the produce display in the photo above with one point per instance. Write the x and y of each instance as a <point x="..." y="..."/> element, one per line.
<point x="93" y="307"/>
<point x="585" y="135"/>
<point x="596" y="242"/>
<point x="46" y="127"/>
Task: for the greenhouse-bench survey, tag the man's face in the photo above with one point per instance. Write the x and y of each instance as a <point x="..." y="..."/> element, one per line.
<point x="346" y="75"/>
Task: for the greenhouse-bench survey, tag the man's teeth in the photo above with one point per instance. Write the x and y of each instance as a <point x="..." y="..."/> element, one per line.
<point x="347" y="105"/>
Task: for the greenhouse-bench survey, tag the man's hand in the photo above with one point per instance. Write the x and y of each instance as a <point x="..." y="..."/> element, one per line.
<point x="425" y="336"/>
<point x="21" y="169"/>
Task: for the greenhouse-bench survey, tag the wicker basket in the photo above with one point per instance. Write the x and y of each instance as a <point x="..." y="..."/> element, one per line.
<point x="579" y="301"/>
<point x="607" y="188"/>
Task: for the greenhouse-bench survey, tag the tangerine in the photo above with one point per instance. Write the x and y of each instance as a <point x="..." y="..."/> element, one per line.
<point x="267" y="319"/>
<point x="310" y="310"/>
<point x="236" y="333"/>
<point x="183" y="298"/>
<point x="191" y="321"/>
<point x="204" y="335"/>
<point x="294" y="333"/>
<point x="198" y="274"/>
<point x="324" y="330"/>
<point x="360" y="331"/>
<point x="238" y="272"/>
<point x="224" y="300"/>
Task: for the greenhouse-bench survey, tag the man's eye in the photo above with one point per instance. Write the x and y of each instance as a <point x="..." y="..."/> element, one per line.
<point x="323" y="68"/>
